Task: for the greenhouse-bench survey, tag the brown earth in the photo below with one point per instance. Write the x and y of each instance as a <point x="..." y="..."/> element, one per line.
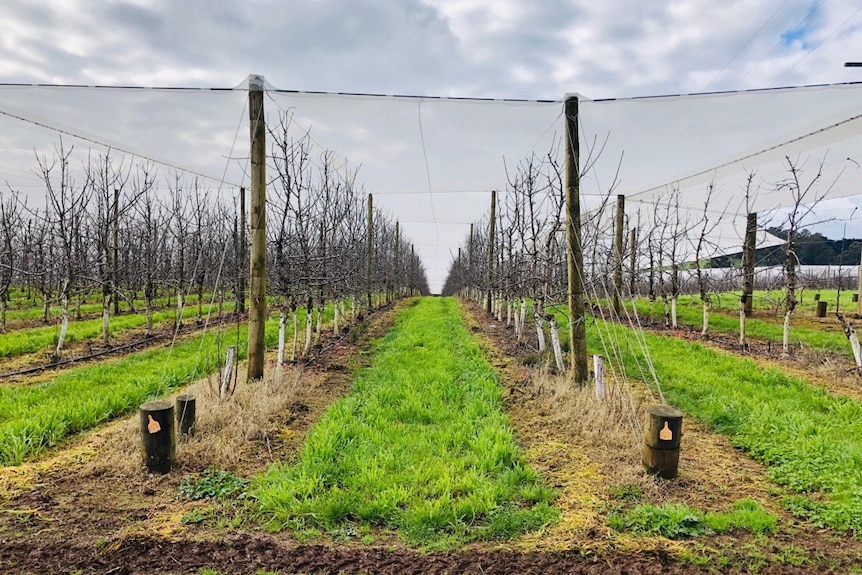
<point x="90" y="507"/>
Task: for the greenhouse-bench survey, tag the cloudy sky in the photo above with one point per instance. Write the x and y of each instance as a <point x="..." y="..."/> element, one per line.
<point x="524" y="49"/>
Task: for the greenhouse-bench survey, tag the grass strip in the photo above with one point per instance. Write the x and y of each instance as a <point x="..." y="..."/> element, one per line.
<point x="725" y="320"/>
<point x="37" y="417"/>
<point x="809" y="439"/>
<point x="420" y="447"/>
<point x="35" y="339"/>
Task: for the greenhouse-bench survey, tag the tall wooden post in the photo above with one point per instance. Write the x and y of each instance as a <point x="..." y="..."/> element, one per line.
<point x="574" y="248"/>
<point x="618" y="255"/>
<point x="369" y="247"/>
<point x="397" y="257"/>
<point x="410" y="272"/>
<point x="257" y="225"/>
<point x="241" y="251"/>
<point x="491" y="236"/>
<point x="633" y="261"/>
<point x="859" y="288"/>
<point x="470" y="264"/>
<point x="115" y="265"/>
<point x="749" y="248"/>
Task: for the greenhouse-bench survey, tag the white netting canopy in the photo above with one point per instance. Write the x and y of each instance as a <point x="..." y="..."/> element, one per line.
<point x="432" y="162"/>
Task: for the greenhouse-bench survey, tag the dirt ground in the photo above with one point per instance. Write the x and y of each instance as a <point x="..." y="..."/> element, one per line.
<point x="90" y="508"/>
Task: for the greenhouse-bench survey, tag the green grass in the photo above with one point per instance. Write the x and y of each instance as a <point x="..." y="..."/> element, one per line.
<point x="36" y="339"/>
<point x="724" y="319"/>
<point x="34" y="418"/>
<point x="420" y="447"/>
<point x="809" y="439"/>
<point x="682" y="522"/>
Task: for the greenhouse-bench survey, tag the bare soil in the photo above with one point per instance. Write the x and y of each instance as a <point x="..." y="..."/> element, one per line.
<point x="91" y="507"/>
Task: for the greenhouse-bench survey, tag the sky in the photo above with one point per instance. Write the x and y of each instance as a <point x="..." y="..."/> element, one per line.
<point x="432" y="164"/>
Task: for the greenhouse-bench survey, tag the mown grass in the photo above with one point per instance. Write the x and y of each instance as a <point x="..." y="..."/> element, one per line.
<point x="420" y="447"/>
<point x="34" y="418"/>
<point x="809" y="439"/>
<point x="32" y="340"/>
<point x="37" y="417"/>
<point x="724" y="319"/>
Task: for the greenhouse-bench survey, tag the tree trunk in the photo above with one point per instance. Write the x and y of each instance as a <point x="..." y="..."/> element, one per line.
<point x="742" y="323"/>
<point x="540" y="331"/>
<point x="282" y="320"/>
<point x="64" y="326"/>
<point x="555" y="343"/>
<point x="705" y="331"/>
<point x="673" y="318"/>
<point x="318" y="333"/>
<point x="786" y="333"/>
<point x="106" y="316"/>
<point x="335" y="329"/>
<point x="179" y="318"/>
<point x="309" y="324"/>
<point x="295" y="334"/>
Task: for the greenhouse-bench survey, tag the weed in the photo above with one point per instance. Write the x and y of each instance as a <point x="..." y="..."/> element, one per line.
<point x="211" y="483"/>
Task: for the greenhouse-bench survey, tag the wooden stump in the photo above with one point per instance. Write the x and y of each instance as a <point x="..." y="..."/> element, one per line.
<point x="662" y="432"/>
<point x="185" y="416"/>
<point x="821" y="309"/>
<point x="855" y="298"/>
<point x="157" y="435"/>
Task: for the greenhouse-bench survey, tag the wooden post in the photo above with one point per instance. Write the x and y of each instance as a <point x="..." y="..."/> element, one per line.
<point x="491" y="233"/>
<point x="662" y="431"/>
<point x="257" y="274"/>
<point x="397" y="258"/>
<point x="115" y="265"/>
<point x="157" y="435"/>
<point x="821" y="308"/>
<point x="618" y="255"/>
<point x="749" y="248"/>
<point x="243" y="241"/>
<point x="470" y="264"/>
<point x="859" y="289"/>
<point x="633" y="262"/>
<point x="369" y="226"/>
<point x="574" y="251"/>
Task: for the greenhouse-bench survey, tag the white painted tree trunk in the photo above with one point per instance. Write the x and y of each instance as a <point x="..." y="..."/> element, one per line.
<point x="319" y="330"/>
<point x="295" y="335"/>
<point x="523" y="319"/>
<point x="64" y="327"/>
<point x="3" y="310"/>
<point x="705" y="331"/>
<point x="106" y="316"/>
<point x="673" y="318"/>
<point x="335" y="329"/>
<point x="282" y="328"/>
<point x="228" y="371"/>
<point x="854" y="344"/>
<point x="179" y="319"/>
<point x="540" y="332"/>
<point x="509" y="313"/>
<point x="742" y="324"/>
<point x="309" y="324"/>
<point x="785" y="341"/>
<point x="555" y="343"/>
<point x="599" y="369"/>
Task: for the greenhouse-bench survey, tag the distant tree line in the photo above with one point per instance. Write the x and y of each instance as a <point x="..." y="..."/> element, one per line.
<point x="812" y="249"/>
